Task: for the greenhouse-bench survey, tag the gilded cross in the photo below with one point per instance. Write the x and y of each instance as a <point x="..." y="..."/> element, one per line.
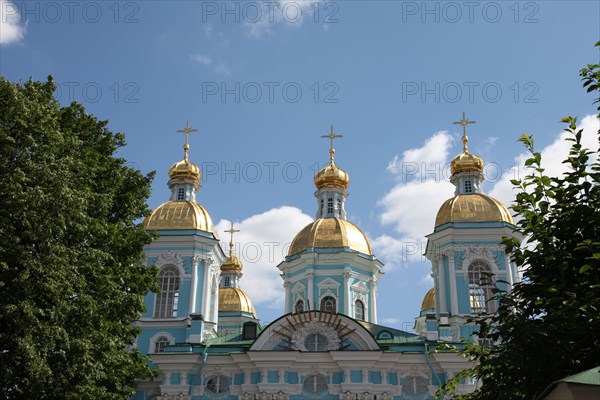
<point x="231" y="231"/>
<point x="187" y="130"/>
<point x="464" y="123"/>
<point x="331" y="137"/>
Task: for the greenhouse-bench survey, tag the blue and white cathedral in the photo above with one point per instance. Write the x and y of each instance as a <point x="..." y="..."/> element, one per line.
<point x="203" y="335"/>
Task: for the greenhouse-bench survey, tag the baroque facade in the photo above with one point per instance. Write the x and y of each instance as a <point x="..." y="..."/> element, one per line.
<point x="202" y="332"/>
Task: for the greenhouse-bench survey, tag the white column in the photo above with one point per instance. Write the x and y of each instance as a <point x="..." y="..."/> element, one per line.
<point x="509" y="271"/>
<point x="442" y="277"/>
<point x="346" y="293"/>
<point x="205" y="291"/>
<point x="311" y="280"/>
<point x="194" y="285"/>
<point x="373" y="300"/>
<point x="286" y="285"/>
<point x="453" y="293"/>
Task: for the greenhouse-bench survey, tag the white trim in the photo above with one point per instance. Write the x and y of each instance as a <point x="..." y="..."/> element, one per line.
<point x="158" y="335"/>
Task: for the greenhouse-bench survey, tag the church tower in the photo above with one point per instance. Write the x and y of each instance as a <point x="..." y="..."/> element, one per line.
<point x="235" y="307"/>
<point x="465" y="252"/>
<point x="330" y="265"/>
<point x="188" y="255"/>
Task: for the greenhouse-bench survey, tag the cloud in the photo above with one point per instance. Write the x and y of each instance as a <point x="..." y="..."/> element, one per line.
<point x="261" y="244"/>
<point x="291" y="13"/>
<point x="552" y="158"/>
<point x="201" y="58"/>
<point x="412" y="204"/>
<point x="11" y="30"/>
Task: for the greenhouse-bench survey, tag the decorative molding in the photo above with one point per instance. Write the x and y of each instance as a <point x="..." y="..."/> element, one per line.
<point x="170" y="258"/>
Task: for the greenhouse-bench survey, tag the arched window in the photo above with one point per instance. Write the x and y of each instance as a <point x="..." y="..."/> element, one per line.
<point x="218" y="384"/>
<point x="359" y="310"/>
<point x="468" y="186"/>
<point x="339" y="208"/>
<point x="300" y="306"/>
<point x="328" y="304"/>
<point x="330" y="205"/>
<point x="480" y="288"/>
<point x="160" y="343"/>
<point x="227" y="281"/>
<point x="180" y="194"/>
<point x="168" y="298"/>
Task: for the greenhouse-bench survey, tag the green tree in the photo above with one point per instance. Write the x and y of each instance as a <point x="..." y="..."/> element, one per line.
<point x="548" y="326"/>
<point x="71" y="280"/>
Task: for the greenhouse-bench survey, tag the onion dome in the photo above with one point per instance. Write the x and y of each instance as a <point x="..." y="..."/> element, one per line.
<point x="466" y="162"/>
<point x="332" y="176"/>
<point x="235" y="300"/>
<point x="232" y="264"/>
<point x="179" y="215"/>
<point x="476" y="207"/>
<point x="330" y="233"/>
<point x="184" y="169"/>
<point x="429" y="300"/>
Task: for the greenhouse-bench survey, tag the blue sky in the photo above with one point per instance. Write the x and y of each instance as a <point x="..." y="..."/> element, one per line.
<point x="391" y="76"/>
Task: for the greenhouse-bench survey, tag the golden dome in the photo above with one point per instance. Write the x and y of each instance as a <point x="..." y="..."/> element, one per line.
<point x="232" y="264"/>
<point x="332" y="176"/>
<point x="466" y="162"/>
<point x="184" y="169"/>
<point x="429" y="300"/>
<point x="472" y="208"/>
<point x="236" y="300"/>
<point x="179" y="215"/>
<point x="330" y="233"/>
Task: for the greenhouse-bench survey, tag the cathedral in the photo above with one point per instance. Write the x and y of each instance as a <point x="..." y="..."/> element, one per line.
<point x="204" y="336"/>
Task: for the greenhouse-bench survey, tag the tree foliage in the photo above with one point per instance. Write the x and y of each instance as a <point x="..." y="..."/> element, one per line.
<point x="71" y="280"/>
<point x="548" y="326"/>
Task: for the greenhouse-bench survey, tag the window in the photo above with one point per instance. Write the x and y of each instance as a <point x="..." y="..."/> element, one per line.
<point x="415" y="385"/>
<point x="339" y="208"/>
<point x="218" y="384"/>
<point x="227" y="281"/>
<point x="322" y="206"/>
<point x="316" y="342"/>
<point x="168" y="298"/>
<point x="160" y="343"/>
<point x="314" y="384"/>
<point x="359" y="310"/>
<point x="480" y="288"/>
<point x="300" y="306"/>
<point x="180" y="194"/>
<point x="330" y="205"/>
<point x="468" y="187"/>
<point x="328" y="304"/>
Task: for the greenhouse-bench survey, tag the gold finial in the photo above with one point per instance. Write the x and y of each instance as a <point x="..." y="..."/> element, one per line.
<point x="464" y="122"/>
<point x="231" y="231"/>
<point x="187" y="132"/>
<point x="331" y="137"/>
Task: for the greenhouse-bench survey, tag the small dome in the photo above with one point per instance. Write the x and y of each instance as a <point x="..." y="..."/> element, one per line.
<point x="429" y="300"/>
<point x="332" y="176"/>
<point x="184" y="169"/>
<point x="466" y="162"/>
<point x="179" y="215"/>
<point x="472" y="208"/>
<point x="330" y="233"/>
<point x="232" y="264"/>
<point x="235" y="300"/>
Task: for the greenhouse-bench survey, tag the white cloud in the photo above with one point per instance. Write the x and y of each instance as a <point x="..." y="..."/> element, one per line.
<point x="390" y="320"/>
<point x="11" y="29"/>
<point x="412" y="204"/>
<point x="261" y="244"/>
<point x="201" y="58"/>
<point x="291" y="13"/>
<point x="552" y="158"/>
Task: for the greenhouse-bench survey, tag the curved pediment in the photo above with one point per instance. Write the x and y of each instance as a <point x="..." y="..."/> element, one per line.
<point x="315" y="331"/>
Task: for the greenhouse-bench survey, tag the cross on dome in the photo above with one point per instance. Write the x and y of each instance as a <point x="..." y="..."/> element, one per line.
<point x="464" y="123"/>
<point x="187" y="130"/>
<point x="331" y="137"/>
<point x="231" y="231"/>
